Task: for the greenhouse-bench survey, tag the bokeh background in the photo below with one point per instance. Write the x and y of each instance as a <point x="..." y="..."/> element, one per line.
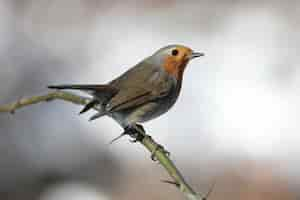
<point x="236" y="121"/>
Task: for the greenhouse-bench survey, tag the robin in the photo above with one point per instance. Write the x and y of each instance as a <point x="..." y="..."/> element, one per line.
<point x="144" y="92"/>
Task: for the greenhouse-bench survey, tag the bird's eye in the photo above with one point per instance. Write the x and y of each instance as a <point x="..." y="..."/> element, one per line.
<point x="174" y="52"/>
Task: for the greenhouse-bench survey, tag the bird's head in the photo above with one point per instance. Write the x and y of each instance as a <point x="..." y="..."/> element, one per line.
<point x="174" y="58"/>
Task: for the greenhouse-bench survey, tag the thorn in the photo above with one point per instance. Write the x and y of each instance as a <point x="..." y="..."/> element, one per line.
<point x="138" y="137"/>
<point x="16" y="105"/>
<point x="209" y="191"/>
<point x="115" y="139"/>
<point x="171" y="182"/>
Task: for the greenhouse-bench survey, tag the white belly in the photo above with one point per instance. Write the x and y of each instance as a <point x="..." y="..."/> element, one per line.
<point x="142" y="114"/>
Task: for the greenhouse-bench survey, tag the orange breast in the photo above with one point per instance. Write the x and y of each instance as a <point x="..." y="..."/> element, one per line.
<point x="174" y="67"/>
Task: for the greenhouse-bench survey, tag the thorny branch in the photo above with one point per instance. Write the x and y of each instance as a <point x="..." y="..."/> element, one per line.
<point x="147" y="141"/>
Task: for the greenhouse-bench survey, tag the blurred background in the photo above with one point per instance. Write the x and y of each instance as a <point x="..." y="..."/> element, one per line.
<point x="236" y="121"/>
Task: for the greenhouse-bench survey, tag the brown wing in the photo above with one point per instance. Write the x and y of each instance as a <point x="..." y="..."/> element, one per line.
<point x="140" y="85"/>
<point x="134" y="97"/>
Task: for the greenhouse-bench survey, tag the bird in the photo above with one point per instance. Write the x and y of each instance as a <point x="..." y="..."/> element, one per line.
<point x="144" y="92"/>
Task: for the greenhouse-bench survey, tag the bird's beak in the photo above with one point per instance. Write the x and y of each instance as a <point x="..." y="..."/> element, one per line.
<point x="195" y="55"/>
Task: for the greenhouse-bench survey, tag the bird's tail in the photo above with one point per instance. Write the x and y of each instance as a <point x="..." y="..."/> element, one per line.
<point x="101" y="93"/>
<point x="80" y="87"/>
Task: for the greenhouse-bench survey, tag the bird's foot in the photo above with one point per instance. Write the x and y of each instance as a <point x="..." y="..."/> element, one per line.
<point x="136" y="131"/>
<point x="158" y="147"/>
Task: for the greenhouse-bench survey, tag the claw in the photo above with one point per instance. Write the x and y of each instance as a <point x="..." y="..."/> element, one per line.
<point x="137" y="132"/>
<point x="138" y="138"/>
<point x="134" y="140"/>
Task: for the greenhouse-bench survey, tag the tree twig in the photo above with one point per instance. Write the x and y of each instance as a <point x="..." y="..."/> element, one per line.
<point x="147" y="141"/>
<point x="170" y="167"/>
<point x="65" y="96"/>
